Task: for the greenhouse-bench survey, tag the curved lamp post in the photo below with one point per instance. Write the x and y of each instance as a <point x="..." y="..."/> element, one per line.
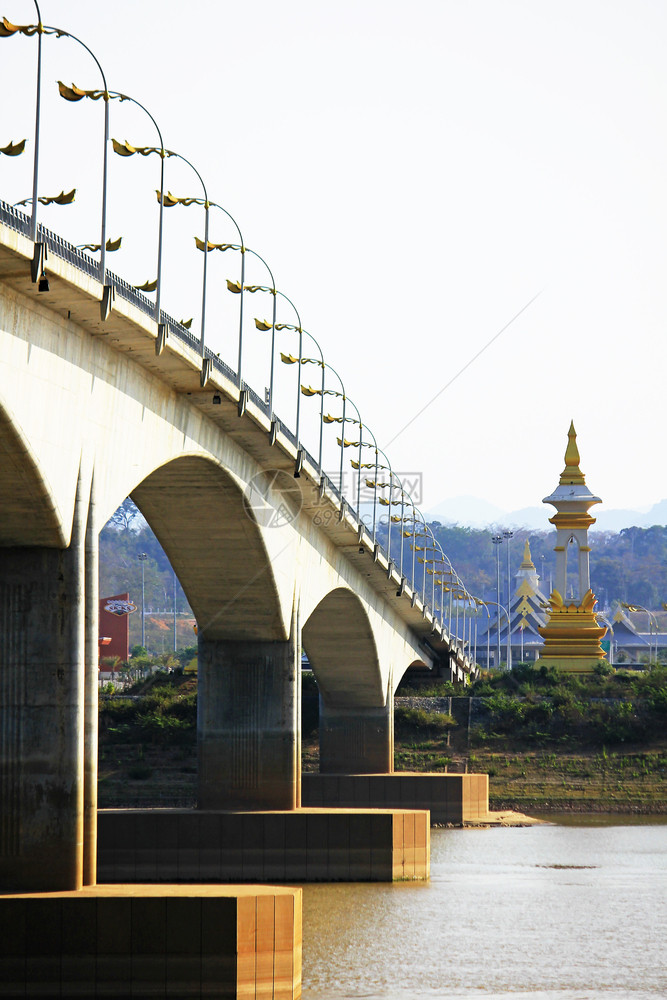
<point x="370" y="483"/>
<point x="497" y="541"/>
<point x="238" y="288"/>
<point x="652" y="622"/>
<point x="75" y="93"/>
<point x="390" y="502"/>
<point x="483" y="604"/>
<point x="604" y="618"/>
<point x="7" y="29"/>
<point x="497" y="604"/>
<point x="342" y="420"/>
<point x="273" y="326"/>
<point x="402" y="520"/>
<point x="307" y="390"/>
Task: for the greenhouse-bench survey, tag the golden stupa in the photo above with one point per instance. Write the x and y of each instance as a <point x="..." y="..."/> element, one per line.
<point x="572" y="634"/>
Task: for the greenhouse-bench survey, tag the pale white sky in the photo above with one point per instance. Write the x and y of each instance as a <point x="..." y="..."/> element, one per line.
<point x="414" y="176"/>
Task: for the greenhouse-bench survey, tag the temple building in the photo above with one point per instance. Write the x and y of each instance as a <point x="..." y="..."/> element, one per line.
<point x="527" y="612"/>
<point x="572" y="634"/>
<point x="629" y="646"/>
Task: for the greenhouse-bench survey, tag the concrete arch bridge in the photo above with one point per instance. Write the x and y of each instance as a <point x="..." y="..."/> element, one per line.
<point x="89" y="414"/>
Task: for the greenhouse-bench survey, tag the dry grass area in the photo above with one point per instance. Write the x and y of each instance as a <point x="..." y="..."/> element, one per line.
<point x="633" y="781"/>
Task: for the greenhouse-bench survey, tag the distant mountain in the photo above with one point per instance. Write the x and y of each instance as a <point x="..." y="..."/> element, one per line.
<point x="472" y="512"/>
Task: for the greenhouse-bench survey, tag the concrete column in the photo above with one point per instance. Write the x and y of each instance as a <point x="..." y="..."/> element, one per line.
<point x="41" y="715"/>
<point x="357" y="740"/>
<point x="249" y="724"/>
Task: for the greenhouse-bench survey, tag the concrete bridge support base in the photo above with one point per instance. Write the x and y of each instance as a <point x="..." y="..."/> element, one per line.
<point x="357" y="741"/>
<point x="152" y="941"/>
<point x="249" y="724"/>
<point x="302" y="845"/>
<point x="457" y="799"/>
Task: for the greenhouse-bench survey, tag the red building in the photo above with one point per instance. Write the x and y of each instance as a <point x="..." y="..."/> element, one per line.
<point x="115" y="625"/>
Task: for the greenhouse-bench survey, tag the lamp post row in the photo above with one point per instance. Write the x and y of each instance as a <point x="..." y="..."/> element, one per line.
<point x="75" y="94"/>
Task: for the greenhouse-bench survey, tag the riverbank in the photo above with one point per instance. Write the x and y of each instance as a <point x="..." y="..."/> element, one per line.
<point x="148" y="755"/>
<point x="633" y="781"/>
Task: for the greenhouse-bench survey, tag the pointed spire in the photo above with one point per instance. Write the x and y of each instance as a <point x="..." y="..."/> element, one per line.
<point x="572" y="474"/>
<point x="527" y="559"/>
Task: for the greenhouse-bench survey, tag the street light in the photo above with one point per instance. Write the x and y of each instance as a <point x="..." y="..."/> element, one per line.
<point x="307" y="390"/>
<point x="652" y="622"/>
<point x="7" y="29"/>
<point x="273" y="326"/>
<point x="168" y="200"/>
<point x="498" y="605"/>
<point x="143" y="556"/>
<point x="288" y="359"/>
<point x="484" y="605"/>
<point x="602" y="617"/>
<point x="370" y="483"/>
<point x="265" y="326"/>
<point x="238" y="288"/>
<point x="383" y="501"/>
<point x="402" y="519"/>
<point x="497" y="541"/>
<point x="508" y="535"/>
<point x="75" y="93"/>
<point x="174" y="595"/>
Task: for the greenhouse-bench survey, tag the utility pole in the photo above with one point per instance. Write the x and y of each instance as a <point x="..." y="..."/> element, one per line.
<point x="508" y="535"/>
<point x="174" y="575"/>
<point x="143" y="556"/>
<point x="497" y="541"/>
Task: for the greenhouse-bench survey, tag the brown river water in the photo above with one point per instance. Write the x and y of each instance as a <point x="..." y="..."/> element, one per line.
<point x="557" y="912"/>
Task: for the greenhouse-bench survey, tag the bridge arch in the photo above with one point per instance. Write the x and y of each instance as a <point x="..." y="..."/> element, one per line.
<point x="340" y="645"/>
<point x="196" y="509"/>
<point x="30" y="514"/>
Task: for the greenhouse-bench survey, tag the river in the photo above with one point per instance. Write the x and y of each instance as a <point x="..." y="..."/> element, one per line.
<point x="553" y="912"/>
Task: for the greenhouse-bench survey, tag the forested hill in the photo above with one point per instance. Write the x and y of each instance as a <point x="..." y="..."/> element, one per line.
<point x="630" y="565"/>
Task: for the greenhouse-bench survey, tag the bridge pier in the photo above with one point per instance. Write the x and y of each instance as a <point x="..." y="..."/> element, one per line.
<point x="249" y="724"/>
<point x="42" y="715"/>
<point x="357" y="740"/>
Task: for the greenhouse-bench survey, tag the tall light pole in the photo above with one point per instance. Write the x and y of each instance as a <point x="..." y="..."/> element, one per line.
<point x="507" y="535"/>
<point x="7" y="29"/>
<point x="497" y="541"/>
<point x="505" y="612"/>
<point x="143" y="556"/>
<point x="174" y="581"/>
<point x="273" y="326"/>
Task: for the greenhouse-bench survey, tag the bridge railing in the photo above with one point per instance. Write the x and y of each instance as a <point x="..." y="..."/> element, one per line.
<point x="20" y="222"/>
